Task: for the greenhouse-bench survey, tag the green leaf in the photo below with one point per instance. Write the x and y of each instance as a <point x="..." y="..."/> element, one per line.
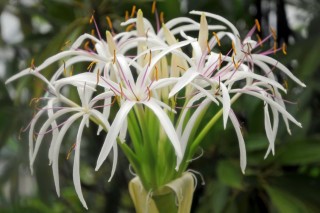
<point x="285" y="202"/>
<point x="299" y="153"/>
<point x="229" y="173"/>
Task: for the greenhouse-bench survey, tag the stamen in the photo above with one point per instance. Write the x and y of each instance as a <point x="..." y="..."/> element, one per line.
<point x="133" y="11"/>
<point x="181" y="68"/>
<point x="91" y="18"/>
<point x="92" y="32"/>
<point x="91" y="65"/>
<point x="98" y="76"/>
<point x="285" y="84"/>
<point x="233" y="48"/>
<point x="259" y="40"/>
<point x="156" y="73"/>
<point x="150" y="57"/>
<point x="153" y="6"/>
<point x="32" y="66"/>
<point x="129" y="27"/>
<point x="114" y="57"/>
<point x="70" y="150"/>
<point x="236" y="65"/>
<point x="284" y="48"/>
<point x="274" y="34"/>
<point x="257" y="25"/>
<point x="209" y="49"/>
<point x="71" y="71"/>
<point x="64" y="68"/>
<point x="126" y="17"/>
<point x="35" y="100"/>
<point x="109" y="23"/>
<point x="161" y="17"/>
<point x="220" y="60"/>
<point x="218" y="88"/>
<point x="149" y="93"/>
<point x="86" y="46"/>
<point x="65" y="44"/>
<point x="275" y="47"/>
<point x="121" y="91"/>
<point x="217" y="38"/>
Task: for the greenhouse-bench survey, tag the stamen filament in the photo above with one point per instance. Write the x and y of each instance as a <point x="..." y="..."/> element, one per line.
<point x="217" y="38"/>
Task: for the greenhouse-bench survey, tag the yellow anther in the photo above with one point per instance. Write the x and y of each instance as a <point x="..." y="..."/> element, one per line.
<point x="149" y="93"/>
<point x="284" y="48"/>
<point x="181" y="68"/>
<point x="121" y="90"/>
<point x="126" y="17"/>
<point x="91" y="65"/>
<point x="98" y="76"/>
<point x="259" y="40"/>
<point x="274" y="34"/>
<point x="161" y="17"/>
<point x="236" y="64"/>
<point x="233" y="48"/>
<point x="65" y="44"/>
<point x="129" y="27"/>
<point x="91" y="19"/>
<point x="70" y="150"/>
<point x="257" y="25"/>
<point x="285" y="84"/>
<point x="114" y="57"/>
<point x="156" y="73"/>
<point x="220" y="60"/>
<point x="92" y="32"/>
<point x="217" y="38"/>
<point x="32" y="66"/>
<point x="133" y="11"/>
<point x="34" y="100"/>
<point x="150" y="57"/>
<point x="153" y="9"/>
<point x="86" y="46"/>
<point x="275" y="47"/>
<point x="109" y="22"/>
<point x="71" y="71"/>
<point x="209" y="49"/>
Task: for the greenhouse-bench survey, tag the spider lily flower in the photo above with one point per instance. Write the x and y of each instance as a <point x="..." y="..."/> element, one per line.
<point x="86" y="110"/>
<point x="205" y="72"/>
<point x="132" y="92"/>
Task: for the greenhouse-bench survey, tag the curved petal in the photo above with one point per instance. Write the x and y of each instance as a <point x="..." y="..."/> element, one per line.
<point x="55" y="163"/>
<point x="76" y="162"/>
<point x="167" y="126"/>
<point x="113" y="132"/>
<point x="242" y="146"/>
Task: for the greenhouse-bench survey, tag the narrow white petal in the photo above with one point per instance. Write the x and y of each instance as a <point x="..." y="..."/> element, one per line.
<point x="55" y="163"/>
<point x="76" y="162"/>
<point x="31" y="134"/>
<point x="167" y="126"/>
<point x="242" y="146"/>
<point x="270" y="102"/>
<point x="184" y="80"/>
<point x="277" y="64"/>
<point x="44" y="128"/>
<point x="113" y="132"/>
<point x="115" y="160"/>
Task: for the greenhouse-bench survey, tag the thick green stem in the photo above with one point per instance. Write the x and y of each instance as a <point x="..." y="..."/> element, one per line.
<point x="166" y="202"/>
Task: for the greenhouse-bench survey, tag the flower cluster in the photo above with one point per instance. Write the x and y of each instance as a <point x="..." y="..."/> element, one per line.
<point x="161" y="81"/>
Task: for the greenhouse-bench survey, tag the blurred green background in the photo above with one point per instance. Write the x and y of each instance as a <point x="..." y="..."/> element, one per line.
<point x="287" y="182"/>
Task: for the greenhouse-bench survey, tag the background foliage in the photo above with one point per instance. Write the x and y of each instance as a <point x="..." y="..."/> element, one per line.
<point x="286" y="182"/>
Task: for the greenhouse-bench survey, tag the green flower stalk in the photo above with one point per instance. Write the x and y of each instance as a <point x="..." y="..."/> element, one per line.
<point x="162" y="91"/>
